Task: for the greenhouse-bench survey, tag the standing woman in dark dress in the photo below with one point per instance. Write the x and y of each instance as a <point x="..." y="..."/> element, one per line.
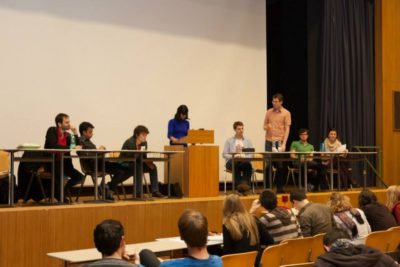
<point x="178" y="126"/>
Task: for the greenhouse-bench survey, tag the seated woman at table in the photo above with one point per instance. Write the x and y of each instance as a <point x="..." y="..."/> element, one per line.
<point x="242" y="232"/>
<point x="178" y="126"/>
<point x="333" y="144"/>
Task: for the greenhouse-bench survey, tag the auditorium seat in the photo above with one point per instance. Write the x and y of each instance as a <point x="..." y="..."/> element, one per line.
<point x="246" y="259"/>
<point x="272" y="255"/>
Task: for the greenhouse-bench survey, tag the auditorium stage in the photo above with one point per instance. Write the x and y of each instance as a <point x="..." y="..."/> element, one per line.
<point x="28" y="233"/>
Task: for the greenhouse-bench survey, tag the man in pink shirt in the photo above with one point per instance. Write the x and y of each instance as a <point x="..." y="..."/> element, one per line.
<point x="277" y="127"/>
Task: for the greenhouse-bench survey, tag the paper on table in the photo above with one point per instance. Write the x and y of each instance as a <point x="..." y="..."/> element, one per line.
<point x="342" y="148"/>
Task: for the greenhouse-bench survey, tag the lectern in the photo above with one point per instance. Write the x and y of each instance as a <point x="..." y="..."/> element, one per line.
<point x="197" y="169"/>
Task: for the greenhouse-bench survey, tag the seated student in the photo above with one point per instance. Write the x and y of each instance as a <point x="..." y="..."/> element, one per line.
<point x="281" y="224"/>
<point x="393" y="201"/>
<point x="349" y="219"/>
<point x="303" y="146"/>
<point x="59" y="138"/>
<point x="110" y="242"/>
<point x="243" y="169"/>
<point x="193" y="229"/>
<point x="341" y="252"/>
<point x="314" y="218"/>
<point x="378" y="215"/>
<point x="241" y="231"/>
<point x="138" y="142"/>
<point x="86" y="132"/>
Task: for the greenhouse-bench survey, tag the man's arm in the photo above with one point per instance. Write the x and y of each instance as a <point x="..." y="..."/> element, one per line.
<point x="266" y="121"/>
<point x="305" y="225"/>
<point x="225" y="152"/>
<point x="288" y="122"/>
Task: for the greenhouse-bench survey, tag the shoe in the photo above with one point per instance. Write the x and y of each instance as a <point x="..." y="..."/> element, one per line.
<point x="157" y="194"/>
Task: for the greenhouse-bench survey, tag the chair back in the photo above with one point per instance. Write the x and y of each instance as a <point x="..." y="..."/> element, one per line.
<point x="394" y="240"/>
<point x="86" y="168"/>
<point x="303" y="264"/>
<point x="4" y="163"/>
<point x="379" y="240"/>
<point x="272" y="255"/>
<point x="239" y="259"/>
<point x="317" y="247"/>
<point x="297" y="250"/>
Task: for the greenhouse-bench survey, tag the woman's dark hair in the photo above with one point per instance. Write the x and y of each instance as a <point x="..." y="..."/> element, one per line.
<point x="182" y="109"/>
<point x="366" y="197"/>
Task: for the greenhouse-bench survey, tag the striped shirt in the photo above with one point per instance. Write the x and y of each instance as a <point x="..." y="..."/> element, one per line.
<point x="281" y="224"/>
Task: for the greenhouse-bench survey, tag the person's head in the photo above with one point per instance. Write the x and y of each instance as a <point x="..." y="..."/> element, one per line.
<point x="86" y="129"/>
<point x="339" y="203"/>
<point x="193" y="228"/>
<point x="182" y="113"/>
<point x="109" y="238"/>
<point x="236" y="217"/>
<point x="239" y="128"/>
<point x="333" y="235"/>
<point x="303" y="134"/>
<point x="268" y="200"/>
<point x="332" y="135"/>
<point x="62" y="121"/>
<point x="298" y="198"/>
<point x="392" y="195"/>
<point x="277" y="101"/>
<point x="366" y="197"/>
<point x="140" y="133"/>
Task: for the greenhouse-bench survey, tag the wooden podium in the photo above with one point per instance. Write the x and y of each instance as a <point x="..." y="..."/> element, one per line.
<point x="197" y="169"/>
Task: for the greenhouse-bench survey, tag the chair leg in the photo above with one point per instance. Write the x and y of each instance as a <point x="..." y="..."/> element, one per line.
<point x="41" y="186"/>
<point x="29" y="187"/>
<point x="146" y="184"/>
<point x="226" y="177"/>
<point x="80" y="188"/>
<point x="253" y="180"/>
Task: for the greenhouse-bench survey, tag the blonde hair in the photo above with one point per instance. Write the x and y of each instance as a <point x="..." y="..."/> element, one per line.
<point x="237" y="218"/>
<point x="392" y="196"/>
<point x="339" y="203"/>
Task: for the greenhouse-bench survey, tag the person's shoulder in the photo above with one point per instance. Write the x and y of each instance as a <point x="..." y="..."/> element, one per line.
<point x="215" y="260"/>
<point x="51" y="129"/>
<point x="284" y="110"/>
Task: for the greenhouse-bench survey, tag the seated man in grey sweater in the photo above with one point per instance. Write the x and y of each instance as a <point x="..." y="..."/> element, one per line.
<point x="314" y="218"/>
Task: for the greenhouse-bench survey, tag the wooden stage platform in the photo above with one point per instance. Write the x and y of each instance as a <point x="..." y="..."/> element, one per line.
<point x="28" y="233"/>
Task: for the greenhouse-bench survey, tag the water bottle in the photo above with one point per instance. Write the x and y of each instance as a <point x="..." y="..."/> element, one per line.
<point x="322" y="147"/>
<point x="72" y="144"/>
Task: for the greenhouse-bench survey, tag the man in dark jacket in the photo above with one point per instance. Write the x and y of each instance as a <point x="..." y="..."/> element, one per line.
<point x="59" y="138"/>
<point x="342" y="253"/>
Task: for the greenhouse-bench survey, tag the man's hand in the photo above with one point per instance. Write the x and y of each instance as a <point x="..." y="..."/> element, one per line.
<point x="173" y="139"/>
<point x="282" y="148"/>
<point x="254" y="206"/>
<point x="73" y="129"/>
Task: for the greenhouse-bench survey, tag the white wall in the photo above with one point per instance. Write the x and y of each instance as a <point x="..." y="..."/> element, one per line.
<point x="121" y="63"/>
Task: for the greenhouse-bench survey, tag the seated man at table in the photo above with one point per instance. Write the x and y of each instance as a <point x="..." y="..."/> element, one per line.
<point x="193" y="229"/>
<point x="113" y="168"/>
<point x="109" y="240"/>
<point x="59" y="138"/>
<point x="302" y="145"/>
<point x="243" y="169"/>
<point x="138" y="142"/>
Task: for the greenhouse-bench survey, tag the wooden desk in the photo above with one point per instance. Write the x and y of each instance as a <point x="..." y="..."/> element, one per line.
<point x="196" y="170"/>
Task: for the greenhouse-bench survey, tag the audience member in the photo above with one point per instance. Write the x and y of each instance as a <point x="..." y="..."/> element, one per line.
<point x="113" y="168"/>
<point x="138" y="142"/>
<point x="393" y="201"/>
<point x="281" y="224"/>
<point x="59" y="138"/>
<point x="178" y="126"/>
<point x="243" y="169"/>
<point x="348" y="218"/>
<point x="109" y="239"/>
<point x="377" y="214"/>
<point x="302" y="145"/>
<point x="314" y="218"/>
<point x="277" y="123"/>
<point x="241" y="231"/>
<point x="341" y="252"/>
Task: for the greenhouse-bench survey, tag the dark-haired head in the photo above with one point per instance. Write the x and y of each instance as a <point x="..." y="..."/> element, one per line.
<point x="268" y="200"/>
<point x="108" y="236"/>
<point x="302" y="131"/>
<point x="182" y="113"/>
<point x="366" y="197"/>
<point x="60" y="118"/>
<point x="140" y="129"/>
<point x="333" y="235"/>
<point x="84" y="126"/>
<point x="278" y="96"/>
<point x="193" y="228"/>
<point x="236" y="124"/>
<point x="297" y="195"/>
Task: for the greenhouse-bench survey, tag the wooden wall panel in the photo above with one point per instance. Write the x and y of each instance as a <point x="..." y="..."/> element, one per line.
<point x="387" y="69"/>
